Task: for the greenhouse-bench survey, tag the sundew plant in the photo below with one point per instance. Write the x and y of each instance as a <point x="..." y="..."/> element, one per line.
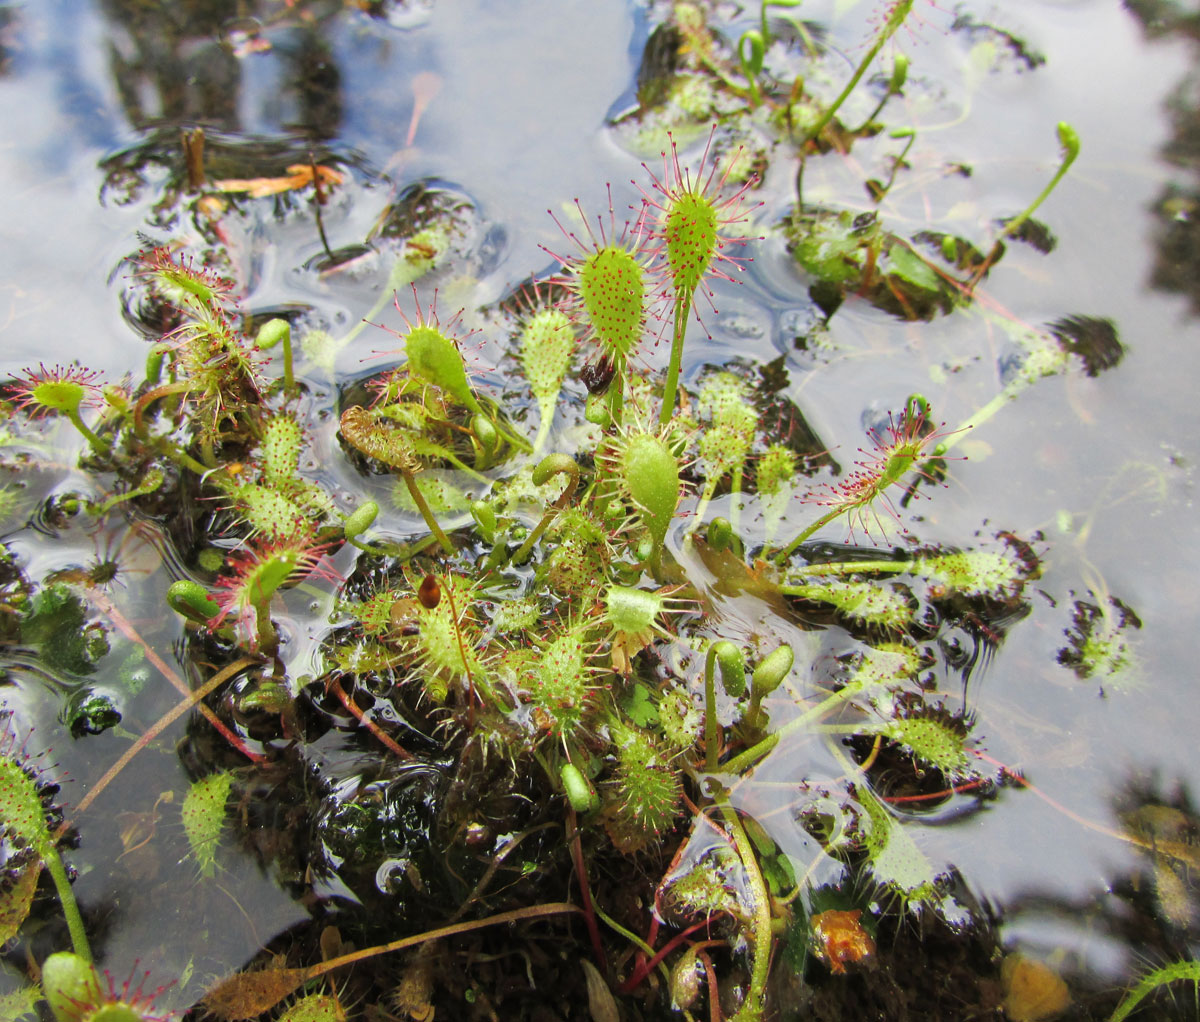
<point x="487" y="662"/>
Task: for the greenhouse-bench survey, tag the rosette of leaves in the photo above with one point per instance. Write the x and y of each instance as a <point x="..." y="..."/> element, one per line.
<point x="724" y="444"/>
<point x="280" y="504"/>
<point x="850" y="253"/>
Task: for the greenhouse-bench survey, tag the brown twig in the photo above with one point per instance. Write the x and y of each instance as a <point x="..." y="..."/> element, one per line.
<point x="333" y="685"/>
<point x="157" y="728"/>
<point x="109" y="609"/>
<point x="247" y="995"/>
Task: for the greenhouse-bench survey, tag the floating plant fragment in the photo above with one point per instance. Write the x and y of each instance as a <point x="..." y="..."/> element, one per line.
<point x="840" y="938"/>
<point x="1100" y="645"/>
<point x="203" y="813"/>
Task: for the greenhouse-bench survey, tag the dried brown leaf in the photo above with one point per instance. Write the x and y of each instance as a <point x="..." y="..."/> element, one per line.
<point x="15" y="900"/>
<point x="247" y="995"/>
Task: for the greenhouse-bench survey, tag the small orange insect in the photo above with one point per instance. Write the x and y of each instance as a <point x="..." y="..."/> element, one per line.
<point x="840" y="938"/>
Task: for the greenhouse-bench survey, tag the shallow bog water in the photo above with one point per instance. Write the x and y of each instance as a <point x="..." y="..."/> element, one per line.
<point x="1094" y="471"/>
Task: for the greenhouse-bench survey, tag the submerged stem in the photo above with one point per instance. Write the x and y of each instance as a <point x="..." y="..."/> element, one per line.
<point x="426" y="512"/>
<point x="752" y="1006"/>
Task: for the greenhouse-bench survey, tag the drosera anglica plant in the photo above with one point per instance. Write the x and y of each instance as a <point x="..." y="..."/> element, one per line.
<point x="609" y="280"/>
<point x="693" y="229"/>
<point x="557" y="664"/>
<point x="907" y="445"/>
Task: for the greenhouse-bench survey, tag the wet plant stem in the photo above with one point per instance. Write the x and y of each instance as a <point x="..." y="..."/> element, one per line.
<point x="710" y="487"/>
<point x="634" y="939"/>
<point x="735" y="505"/>
<point x="889" y="29"/>
<point x="752" y="1006"/>
<point x="711" y="727"/>
<point x="683" y="308"/>
<point x="100" y="446"/>
<point x="343" y="696"/>
<point x="264" y="630"/>
<point x="1068" y="140"/>
<point x="66" y="898"/>
<point x="147" y="399"/>
<point x="749" y="757"/>
<point x="897" y="161"/>
<point x="109" y="609"/>
<point x="983" y="414"/>
<point x="656" y="959"/>
<point x="820" y="523"/>
<point x="158" y="727"/>
<point x="515" y="916"/>
<point x="585" y="891"/>
<point x="848" y="568"/>
<point x="426" y="512"/>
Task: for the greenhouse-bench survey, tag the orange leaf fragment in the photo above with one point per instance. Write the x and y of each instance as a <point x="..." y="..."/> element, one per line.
<point x="840" y="938"/>
<point x="1033" y="992"/>
<point x="299" y="175"/>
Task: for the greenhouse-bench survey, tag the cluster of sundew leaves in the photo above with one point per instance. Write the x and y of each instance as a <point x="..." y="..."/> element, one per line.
<point x="564" y="675"/>
<point x="562" y="679"/>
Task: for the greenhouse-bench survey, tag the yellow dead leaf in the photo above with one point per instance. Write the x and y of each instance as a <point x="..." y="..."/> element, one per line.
<point x="16" y="899"/>
<point x="1033" y="992"/>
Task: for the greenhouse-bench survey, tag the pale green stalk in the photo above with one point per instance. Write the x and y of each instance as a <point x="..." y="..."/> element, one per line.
<point x="683" y="308"/>
<point x="886" y="33"/>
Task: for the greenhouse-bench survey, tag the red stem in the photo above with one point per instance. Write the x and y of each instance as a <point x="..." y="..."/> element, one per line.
<point x="643" y="970"/>
<point x="585" y="893"/>
<point x="126" y="628"/>
<point x="335" y="687"/>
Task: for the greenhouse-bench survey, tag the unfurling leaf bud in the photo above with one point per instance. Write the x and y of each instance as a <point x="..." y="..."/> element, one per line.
<point x="771" y="671"/>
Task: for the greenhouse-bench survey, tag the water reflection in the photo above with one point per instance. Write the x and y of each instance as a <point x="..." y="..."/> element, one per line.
<point x="1177" y="260"/>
